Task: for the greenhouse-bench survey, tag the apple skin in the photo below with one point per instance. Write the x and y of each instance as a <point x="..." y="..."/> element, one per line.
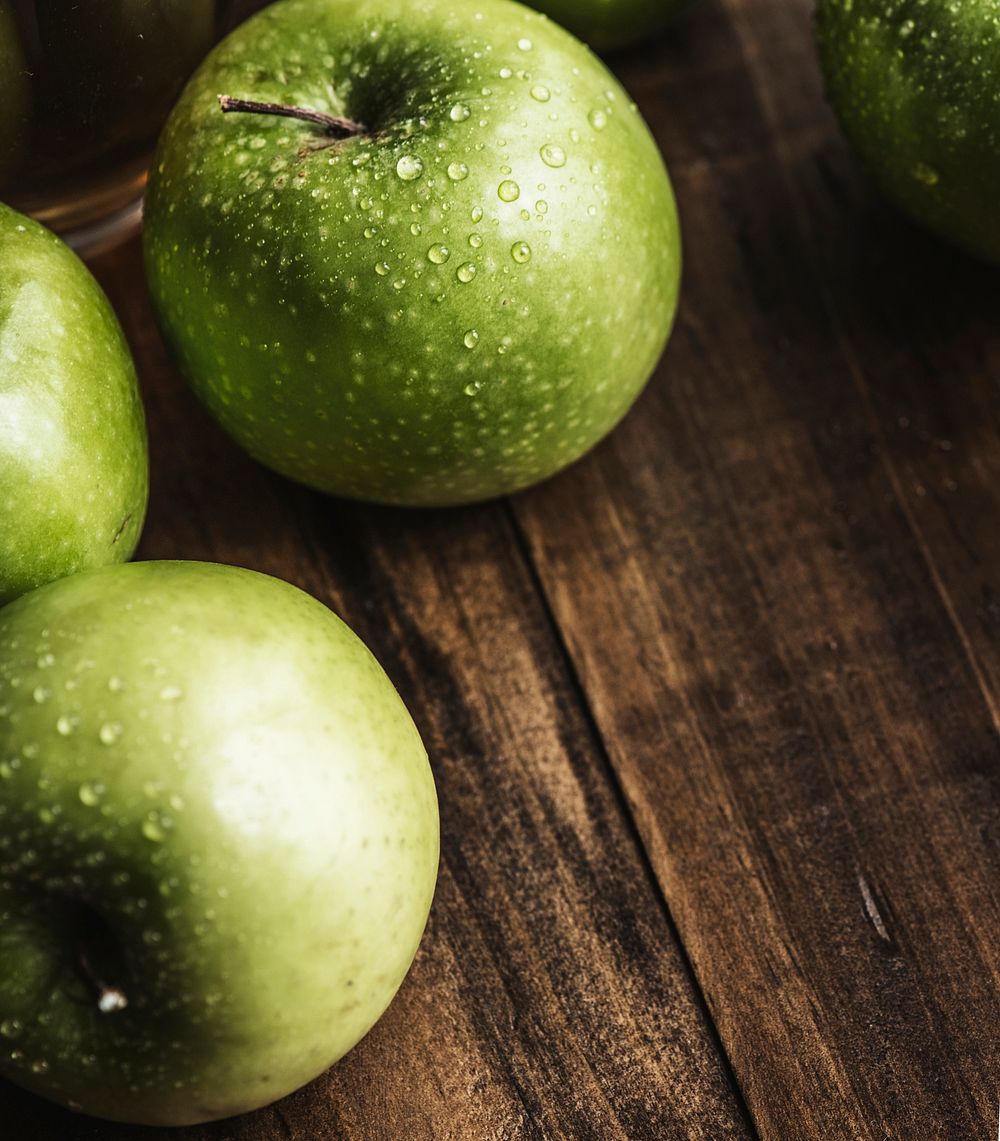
<point x="914" y="87"/>
<point x="211" y="794"/>
<point x="608" y="24"/>
<point x="451" y="307"/>
<point x="73" y="456"/>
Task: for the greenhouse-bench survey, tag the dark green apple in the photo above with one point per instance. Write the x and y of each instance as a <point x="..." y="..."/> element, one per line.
<point x="218" y="841"/>
<point x="914" y="83"/>
<point x="73" y="463"/>
<point x="612" y="23"/>
<point x="447" y="291"/>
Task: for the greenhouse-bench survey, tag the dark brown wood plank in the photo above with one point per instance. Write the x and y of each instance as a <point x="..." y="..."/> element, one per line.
<point x="917" y="325"/>
<point x="549" y="999"/>
<point x="778" y="584"/>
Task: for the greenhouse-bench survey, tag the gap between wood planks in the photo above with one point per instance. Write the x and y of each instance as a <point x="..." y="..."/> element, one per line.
<point x="614" y="782"/>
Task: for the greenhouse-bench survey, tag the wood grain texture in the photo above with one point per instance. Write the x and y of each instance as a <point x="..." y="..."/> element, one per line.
<point x="778" y="583"/>
<point x="549" y="998"/>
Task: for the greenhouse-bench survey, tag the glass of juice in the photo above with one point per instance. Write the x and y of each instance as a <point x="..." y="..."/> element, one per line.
<point x="85" y="86"/>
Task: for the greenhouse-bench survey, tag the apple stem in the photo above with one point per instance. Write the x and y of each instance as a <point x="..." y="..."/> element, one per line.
<point x="334" y="125"/>
<point x="109" y="998"/>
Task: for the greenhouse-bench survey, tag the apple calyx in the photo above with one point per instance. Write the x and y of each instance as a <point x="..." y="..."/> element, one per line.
<point x="110" y="999"/>
<point x="335" y="126"/>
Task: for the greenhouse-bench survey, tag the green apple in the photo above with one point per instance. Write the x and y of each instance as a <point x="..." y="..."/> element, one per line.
<point x="218" y="841"/>
<point x="447" y="287"/>
<point x="73" y="463"/>
<point x="612" y="23"/>
<point x="914" y="83"/>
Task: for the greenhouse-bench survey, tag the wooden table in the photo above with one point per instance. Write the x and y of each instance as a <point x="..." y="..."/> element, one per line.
<point x="714" y="714"/>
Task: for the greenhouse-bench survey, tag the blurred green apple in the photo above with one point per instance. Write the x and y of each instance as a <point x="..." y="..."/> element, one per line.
<point x="915" y="87"/>
<point x="218" y="841"/>
<point x="450" y="295"/>
<point x="73" y="464"/>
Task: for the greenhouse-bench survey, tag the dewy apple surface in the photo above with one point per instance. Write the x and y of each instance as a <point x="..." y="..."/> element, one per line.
<point x="450" y="299"/>
<point x="218" y="841"/>
<point x="73" y="456"/>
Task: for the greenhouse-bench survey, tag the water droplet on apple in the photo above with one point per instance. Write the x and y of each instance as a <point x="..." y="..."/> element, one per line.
<point x="472" y="387"/>
<point x="154" y="828"/>
<point x="90" y="793"/>
<point x="471" y="339"/>
<point x="466" y="272"/>
<point x="553" y="155"/>
<point x="381" y="268"/>
<point x="598" y="119"/>
<point x="171" y="693"/>
<point x="542" y="206"/>
<point x="10" y="1028"/>
<point x="409" y="168"/>
<point x="477" y="213"/>
<point x="459" y="112"/>
<point x="438" y="254"/>
<point x="8" y="768"/>
<point x="541" y="93"/>
<point x="475" y="240"/>
<point x="40" y="1066"/>
<point x="505" y="73"/>
<point x="508" y="191"/>
<point x="524" y="44"/>
<point x="458" y="171"/>
<point x="115" y="684"/>
<point x="45" y="661"/>
<point x="66" y="725"/>
<point x="109" y="732"/>
<point x="41" y="694"/>
<point x="520" y="252"/>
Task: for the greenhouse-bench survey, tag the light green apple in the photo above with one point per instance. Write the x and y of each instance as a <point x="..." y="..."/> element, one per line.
<point x="612" y="23"/>
<point x="455" y="300"/>
<point x="915" y="85"/>
<point x="73" y="461"/>
<point x="218" y="841"/>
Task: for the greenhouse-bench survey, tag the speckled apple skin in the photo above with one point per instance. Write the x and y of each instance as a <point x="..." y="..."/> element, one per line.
<point x="916" y="86"/>
<point x="211" y="761"/>
<point x="452" y="306"/>
<point x="73" y="457"/>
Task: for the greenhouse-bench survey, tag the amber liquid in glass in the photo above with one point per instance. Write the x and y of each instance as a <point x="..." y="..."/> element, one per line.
<point x="84" y="89"/>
